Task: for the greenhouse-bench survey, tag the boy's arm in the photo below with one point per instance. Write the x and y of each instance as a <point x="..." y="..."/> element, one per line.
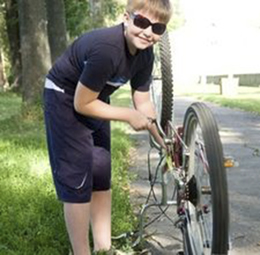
<point x="143" y="104"/>
<point x="86" y="102"/>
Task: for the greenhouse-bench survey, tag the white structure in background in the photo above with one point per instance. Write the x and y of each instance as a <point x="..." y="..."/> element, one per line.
<point x="220" y="38"/>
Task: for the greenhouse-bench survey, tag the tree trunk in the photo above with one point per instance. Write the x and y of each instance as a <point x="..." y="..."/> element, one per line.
<point x="2" y="76"/>
<point x="96" y="13"/>
<point x="34" y="48"/>
<point x="56" y="27"/>
<point x="12" y="25"/>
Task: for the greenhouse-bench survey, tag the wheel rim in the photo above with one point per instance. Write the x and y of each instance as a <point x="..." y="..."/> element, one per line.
<point x="198" y="206"/>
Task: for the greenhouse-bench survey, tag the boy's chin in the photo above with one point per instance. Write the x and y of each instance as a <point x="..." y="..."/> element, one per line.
<point x="143" y="46"/>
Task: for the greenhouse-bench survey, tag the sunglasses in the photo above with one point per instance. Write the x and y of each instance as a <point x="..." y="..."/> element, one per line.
<point x="142" y="22"/>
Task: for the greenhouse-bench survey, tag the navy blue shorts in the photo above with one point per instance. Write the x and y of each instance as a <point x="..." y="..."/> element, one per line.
<point x="79" y="149"/>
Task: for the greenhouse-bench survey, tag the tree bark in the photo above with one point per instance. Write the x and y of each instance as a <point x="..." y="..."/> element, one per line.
<point x="34" y="48"/>
<point x="56" y="27"/>
<point x="12" y="25"/>
<point x="96" y="13"/>
<point x="2" y="76"/>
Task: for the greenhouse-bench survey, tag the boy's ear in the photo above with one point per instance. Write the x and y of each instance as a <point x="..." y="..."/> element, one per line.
<point x="126" y="19"/>
<point x="126" y="16"/>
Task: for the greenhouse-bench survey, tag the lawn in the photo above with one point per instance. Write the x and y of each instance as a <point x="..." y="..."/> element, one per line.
<point x="247" y="98"/>
<point x="31" y="218"/>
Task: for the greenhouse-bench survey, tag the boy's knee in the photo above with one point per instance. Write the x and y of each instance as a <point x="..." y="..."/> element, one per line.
<point x="101" y="169"/>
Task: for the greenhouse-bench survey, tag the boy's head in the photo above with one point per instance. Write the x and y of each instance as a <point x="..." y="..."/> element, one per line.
<point x="145" y="22"/>
<point x="160" y="9"/>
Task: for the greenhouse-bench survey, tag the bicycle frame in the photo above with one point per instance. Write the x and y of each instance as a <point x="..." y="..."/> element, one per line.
<point x="173" y="160"/>
<point x="173" y="154"/>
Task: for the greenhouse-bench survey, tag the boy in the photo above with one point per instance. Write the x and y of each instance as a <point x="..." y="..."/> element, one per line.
<point x="77" y="114"/>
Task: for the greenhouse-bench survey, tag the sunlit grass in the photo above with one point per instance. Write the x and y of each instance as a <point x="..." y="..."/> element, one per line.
<point x="249" y="103"/>
<point x="247" y="98"/>
<point x="123" y="219"/>
<point x="31" y="218"/>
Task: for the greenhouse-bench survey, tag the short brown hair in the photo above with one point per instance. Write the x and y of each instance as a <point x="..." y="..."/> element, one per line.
<point x="160" y="9"/>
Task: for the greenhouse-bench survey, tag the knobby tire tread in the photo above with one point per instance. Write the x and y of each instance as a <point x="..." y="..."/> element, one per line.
<point x="167" y="80"/>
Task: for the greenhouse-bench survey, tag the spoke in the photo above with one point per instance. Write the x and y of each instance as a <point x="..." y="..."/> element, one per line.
<point x="200" y="225"/>
<point x="205" y="190"/>
<point x="204" y="176"/>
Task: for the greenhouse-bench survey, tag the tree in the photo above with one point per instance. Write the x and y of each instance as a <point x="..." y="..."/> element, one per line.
<point x="2" y="32"/>
<point x="177" y="19"/>
<point x="34" y="48"/>
<point x="84" y="15"/>
<point x="96" y="13"/>
<point x="103" y="12"/>
<point x="2" y="76"/>
<point x="56" y="27"/>
<point x="12" y="28"/>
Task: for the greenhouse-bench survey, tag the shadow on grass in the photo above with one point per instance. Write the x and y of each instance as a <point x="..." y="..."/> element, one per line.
<point x="31" y="217"/>
<point x="31" y="220"/>
<point x="23" y="133"/>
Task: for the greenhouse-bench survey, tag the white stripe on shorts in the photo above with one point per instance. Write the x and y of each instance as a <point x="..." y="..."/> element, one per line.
<point x="51" y="85"/>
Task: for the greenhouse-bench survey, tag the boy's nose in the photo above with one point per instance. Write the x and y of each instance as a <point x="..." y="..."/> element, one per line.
<point x="148" y="31"/>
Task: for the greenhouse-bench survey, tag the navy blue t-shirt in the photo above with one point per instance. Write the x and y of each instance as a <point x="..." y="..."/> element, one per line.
<point x="100" y="60"/>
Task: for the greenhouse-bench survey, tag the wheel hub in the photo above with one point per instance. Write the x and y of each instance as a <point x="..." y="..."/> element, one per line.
<point x="191" y="191"/>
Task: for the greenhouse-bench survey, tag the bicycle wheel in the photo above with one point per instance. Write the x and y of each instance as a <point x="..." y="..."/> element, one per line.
<point x="206" y="226"/>
<point x="162" y="92"/>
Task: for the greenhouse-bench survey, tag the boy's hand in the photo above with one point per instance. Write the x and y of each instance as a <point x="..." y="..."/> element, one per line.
<point x="139" y="121"/>
<point x="156" y="135"/>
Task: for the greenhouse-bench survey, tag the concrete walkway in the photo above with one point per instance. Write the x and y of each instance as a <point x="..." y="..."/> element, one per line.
<point x="240" y="135"/>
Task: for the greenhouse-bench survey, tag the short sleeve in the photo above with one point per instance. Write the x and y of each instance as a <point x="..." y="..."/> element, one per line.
<point x="99" y="67"/>
<point x="142" y="79"/>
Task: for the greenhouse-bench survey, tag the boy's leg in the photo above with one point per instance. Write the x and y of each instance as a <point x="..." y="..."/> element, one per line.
<point x="77" y="221"/>
<point x="70" y="147"/>
<point x="101" y="219"/>
<point x="101" y="194"/>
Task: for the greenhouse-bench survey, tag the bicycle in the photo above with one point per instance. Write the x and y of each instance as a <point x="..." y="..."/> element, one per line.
<point x="195" y="163"/>
<point x="194" y="160"/>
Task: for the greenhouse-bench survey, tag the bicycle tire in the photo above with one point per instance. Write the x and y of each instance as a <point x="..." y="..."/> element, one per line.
<point x="162" y="92"/>
<point x="167" y="81"/>
<point x="206" y="226"/>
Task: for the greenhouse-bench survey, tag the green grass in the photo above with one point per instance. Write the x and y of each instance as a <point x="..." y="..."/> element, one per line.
<point x="123" y="219"/>
<point x="246" y="104"/>
<point x="9" y="105"/>
<point x="247" y="98"/>
<point x="31" y="218"/>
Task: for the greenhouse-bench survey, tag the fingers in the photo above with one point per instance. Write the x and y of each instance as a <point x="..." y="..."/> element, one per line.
<point x="140" y="122"/>
<point x="151" y="122"/>
<point x="146" y="124"/>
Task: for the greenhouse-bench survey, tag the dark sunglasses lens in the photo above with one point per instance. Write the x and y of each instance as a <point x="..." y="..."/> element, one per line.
<point x="158" y="28"/>
<point x="141" y="22"/>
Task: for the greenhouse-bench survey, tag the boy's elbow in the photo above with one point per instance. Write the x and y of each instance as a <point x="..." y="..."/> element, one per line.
<point x="78" y="107"/>
<point x="83" y="108"/>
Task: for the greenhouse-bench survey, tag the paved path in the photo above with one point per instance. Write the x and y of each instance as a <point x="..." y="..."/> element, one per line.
<point x="240" y="135"/>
